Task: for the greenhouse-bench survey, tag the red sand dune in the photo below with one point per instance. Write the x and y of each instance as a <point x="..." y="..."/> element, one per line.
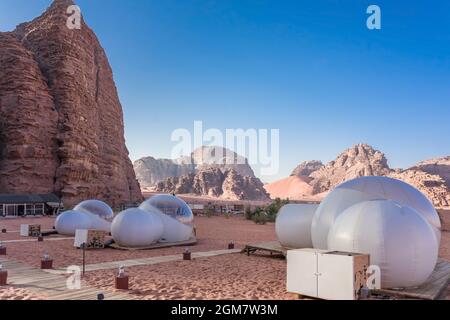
<point x="295" y="188"/>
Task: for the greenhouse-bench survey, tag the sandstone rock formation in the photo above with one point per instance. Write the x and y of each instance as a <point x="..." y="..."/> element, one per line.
<point x="432" y="186"/>
<point x="151" y="171"/>
<point x="61" y="125"/>
<point x="360" y="160"/>
<point x="214" y="182"/>
<point x="430" y="176"/>
<point x="306" y="168"/>
<point x="438" y="166"/>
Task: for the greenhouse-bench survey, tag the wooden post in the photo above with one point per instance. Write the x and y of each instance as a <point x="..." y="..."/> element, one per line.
<point x="3" y="278"/>
<point x="187" y="255"/>
<point x="83" y="246"/>
<point x="122" y="283"/>
<point x="46" y="264"/>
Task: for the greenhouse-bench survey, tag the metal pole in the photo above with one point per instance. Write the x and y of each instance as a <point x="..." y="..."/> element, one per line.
<point x="84" y="258"/>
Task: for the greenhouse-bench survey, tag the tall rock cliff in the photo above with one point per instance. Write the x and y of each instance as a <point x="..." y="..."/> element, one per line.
<point x="61" y="126"/>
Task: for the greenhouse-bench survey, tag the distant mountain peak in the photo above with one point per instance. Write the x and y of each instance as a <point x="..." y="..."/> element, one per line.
<point x="151" y="171"/>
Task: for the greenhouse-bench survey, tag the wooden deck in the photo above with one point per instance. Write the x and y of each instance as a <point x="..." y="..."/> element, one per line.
<point x="52" y="286"/>
<point x="430" y="290"/>
<point x="273" y="247"/>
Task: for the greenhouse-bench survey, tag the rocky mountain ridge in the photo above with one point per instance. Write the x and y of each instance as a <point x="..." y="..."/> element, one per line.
<point x="151" y="171"/>
<point x="432" y="177"/>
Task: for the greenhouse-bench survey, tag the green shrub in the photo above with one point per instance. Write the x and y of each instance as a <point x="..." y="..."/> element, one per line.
<point x="260" y="218"/>
<point x="248" y="213"/>
<point x="266" y="214"/>
<point x="209" y="212"/>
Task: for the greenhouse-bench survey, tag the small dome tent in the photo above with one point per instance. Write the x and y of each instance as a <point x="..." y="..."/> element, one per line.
<point x="89" y="214"/>
<point x="365" y="189"/>
<point x="400" y="241"/>
<point x="293" y="225"/>
<point x="68" y="222"/>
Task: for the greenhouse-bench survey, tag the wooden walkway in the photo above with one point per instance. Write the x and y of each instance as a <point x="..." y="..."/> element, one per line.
<point x="30" y="239"/>
<point x="53" y="286"/>
<point x="147" y="261"/>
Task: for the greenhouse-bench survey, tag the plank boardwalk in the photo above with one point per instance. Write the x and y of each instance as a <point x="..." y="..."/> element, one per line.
<point x="35" y="239"/>
<point x="52" y="285"/>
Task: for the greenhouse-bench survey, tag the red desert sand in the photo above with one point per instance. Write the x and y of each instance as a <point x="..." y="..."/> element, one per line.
<point x="232" y="276"/>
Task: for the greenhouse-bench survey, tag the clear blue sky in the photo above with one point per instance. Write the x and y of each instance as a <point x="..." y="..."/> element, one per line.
<point x="310" y="68"/>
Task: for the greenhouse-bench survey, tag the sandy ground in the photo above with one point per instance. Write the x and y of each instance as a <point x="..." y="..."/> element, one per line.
<point x="9" y="293"/>
<point x="234" y="276"/>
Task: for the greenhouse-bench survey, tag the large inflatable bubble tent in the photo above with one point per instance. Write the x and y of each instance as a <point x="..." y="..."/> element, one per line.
<point x="366" y="189"/>
<point x="400" y="241"/>
<point x="136" y="228"/>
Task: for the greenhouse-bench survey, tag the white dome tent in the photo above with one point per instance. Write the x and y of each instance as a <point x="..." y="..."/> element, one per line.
<point x="137" y="228"/>
<point x="89" y="214"/>
<point x="398" y="238"/>
<point x="365" y="189"/>
<point x="293" y="225"/>
<point x="68" y="222"/>
<point x="175" y="214"/>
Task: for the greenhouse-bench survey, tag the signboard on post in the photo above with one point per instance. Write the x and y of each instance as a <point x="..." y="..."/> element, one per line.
<point x="94" y="239"/>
